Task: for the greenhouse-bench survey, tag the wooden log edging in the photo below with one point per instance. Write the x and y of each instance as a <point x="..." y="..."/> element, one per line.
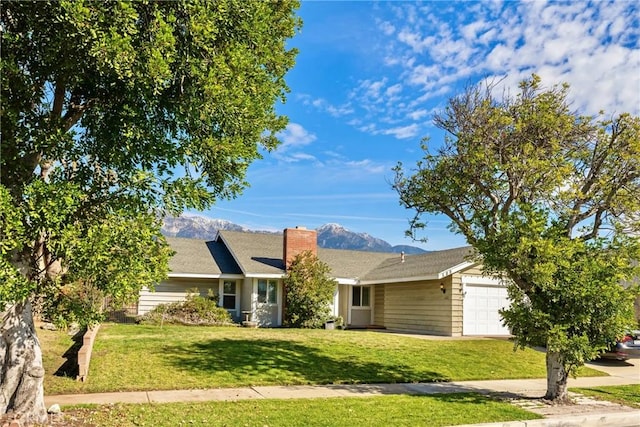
<point x="84" y="354"/>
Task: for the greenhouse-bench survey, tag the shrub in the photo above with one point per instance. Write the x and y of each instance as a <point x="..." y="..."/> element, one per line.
<point x="309" y="292"/>
<point x="194" y="310"/>
<point x="78" y="303"/>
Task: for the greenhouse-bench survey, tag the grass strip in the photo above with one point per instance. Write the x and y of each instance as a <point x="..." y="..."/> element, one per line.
<point x="628" y="395"/>
<point x="434" y="410"/>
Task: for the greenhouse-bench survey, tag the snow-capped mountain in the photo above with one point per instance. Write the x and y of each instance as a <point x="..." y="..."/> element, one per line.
<point x="197" y="227"/>
<point x="337" y="237"/>
<point x="332" y="236"/>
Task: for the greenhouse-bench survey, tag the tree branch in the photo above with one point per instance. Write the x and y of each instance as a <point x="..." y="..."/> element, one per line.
<point x="58" y="99"/>
<point x="75" y="111"/>
<point x="595" y="166"/>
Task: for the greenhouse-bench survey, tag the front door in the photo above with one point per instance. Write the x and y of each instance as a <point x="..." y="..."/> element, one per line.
<point x="267" y="302"/>
<point x="360" y="309"/>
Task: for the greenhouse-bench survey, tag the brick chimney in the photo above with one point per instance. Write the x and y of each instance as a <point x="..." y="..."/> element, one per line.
<point x="298" y="240"/>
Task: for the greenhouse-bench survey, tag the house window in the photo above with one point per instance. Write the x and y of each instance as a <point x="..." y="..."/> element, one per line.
<point x="360" y="296"/>
<point x="267" y="291"/>
<point x="229" y="295"/>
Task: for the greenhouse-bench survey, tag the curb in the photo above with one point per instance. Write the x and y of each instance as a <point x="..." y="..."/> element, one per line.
<point x="619" y="419"/>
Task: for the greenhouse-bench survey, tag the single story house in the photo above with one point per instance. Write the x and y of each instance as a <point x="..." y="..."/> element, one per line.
<point x="442" y="292"/>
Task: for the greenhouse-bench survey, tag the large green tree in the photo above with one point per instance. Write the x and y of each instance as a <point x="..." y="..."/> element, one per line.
<point x="114" y="114"/>
<point x="550" y="200"/>
<point x="309" y="292"/>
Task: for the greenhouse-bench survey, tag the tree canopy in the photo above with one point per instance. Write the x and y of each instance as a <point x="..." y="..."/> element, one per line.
<point x="550" y="200"/>
<point x="113" y="115"/>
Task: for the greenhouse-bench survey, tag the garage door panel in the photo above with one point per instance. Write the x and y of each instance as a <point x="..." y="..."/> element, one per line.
<point x="481" y="309"/>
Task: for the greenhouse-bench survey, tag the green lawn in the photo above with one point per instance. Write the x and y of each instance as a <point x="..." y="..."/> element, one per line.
<point x="628" y="395"/>
<point x="437" y="410"/>
<point x="136" y="357"/>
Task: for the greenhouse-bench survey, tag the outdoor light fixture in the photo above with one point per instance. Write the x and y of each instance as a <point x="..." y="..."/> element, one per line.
<point x="442" y="288"/>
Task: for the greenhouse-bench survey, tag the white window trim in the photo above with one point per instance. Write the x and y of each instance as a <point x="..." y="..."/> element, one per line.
<point x="361" y="307"/>
<point x="221" y="295"/>
<point x="278" y="296"/>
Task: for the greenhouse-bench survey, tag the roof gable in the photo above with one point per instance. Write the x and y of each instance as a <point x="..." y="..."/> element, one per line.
<point x="200" y="257"/>
<point x="255" y="253"/>
<point x="430" y="265"/>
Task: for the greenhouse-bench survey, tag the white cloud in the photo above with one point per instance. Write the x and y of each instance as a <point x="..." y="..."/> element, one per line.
<point x="393" y="90"/>
<point x="295" y="136"/>
<point x="470" y="31"/>
<point x="592" y="46"/>
<point x="424" y="75"/>
<point x="403" y="132"/>
<point x="418" y="114"/>
<point x="325" y="106"/>
<point x="368" y="128"/>
<point x="386" y="27"/>
<point x="367" y="166"/>
<point x="302" y="156"/>
<point x="372" y="89"/>
<point x="431" y="50"/>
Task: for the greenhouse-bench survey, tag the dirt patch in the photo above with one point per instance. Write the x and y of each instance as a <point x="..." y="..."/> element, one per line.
<point x="75" y="418"/>
<point x="582" y="405"/>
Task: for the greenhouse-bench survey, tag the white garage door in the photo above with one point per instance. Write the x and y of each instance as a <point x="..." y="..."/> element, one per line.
<point x="480" y="309"/>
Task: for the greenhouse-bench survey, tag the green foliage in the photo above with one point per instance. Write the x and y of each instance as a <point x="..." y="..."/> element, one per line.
<point x="79" y="303"/>
<point x="115" y="114"/>
<point x="309" y="292"/>
<point x="549" y="201"/>
<point x="14" y="283"/>
<point x="575" y="305"/>
<point x="194" y="310"/>
<point x="339" y="321"/>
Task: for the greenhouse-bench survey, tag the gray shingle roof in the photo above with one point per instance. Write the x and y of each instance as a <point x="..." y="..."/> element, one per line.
<point x="348" y="264"/>
<point x="256" y="253"/>
<point x="420" y="266"/>
<point x="194" y="256"/>
<point x="261" y="253"/>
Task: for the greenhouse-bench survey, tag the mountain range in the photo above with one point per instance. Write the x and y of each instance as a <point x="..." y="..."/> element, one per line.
<point x="332" y="236"/>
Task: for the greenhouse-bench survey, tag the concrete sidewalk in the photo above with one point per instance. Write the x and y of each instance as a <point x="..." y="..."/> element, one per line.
<point x="523" y="393"/>
<point x="530" y="388"/>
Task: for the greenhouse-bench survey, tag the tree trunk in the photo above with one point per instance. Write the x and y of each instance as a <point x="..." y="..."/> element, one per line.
<point x="557" y="376"/>
<point x="21" y="374"/>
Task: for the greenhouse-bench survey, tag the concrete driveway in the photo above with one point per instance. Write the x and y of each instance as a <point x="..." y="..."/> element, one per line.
<point x="629" y="369"/>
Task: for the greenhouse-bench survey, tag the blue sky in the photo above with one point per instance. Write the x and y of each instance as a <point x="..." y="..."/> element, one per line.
<point x="370" y="75"/>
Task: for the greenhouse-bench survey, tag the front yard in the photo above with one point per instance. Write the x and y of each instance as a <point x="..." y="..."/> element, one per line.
<point x="135" y="357"/>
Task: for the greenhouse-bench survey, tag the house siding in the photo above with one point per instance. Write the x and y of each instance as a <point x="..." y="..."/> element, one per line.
<point x="475" y="270"/>
<point x="378" y="311"/>
<point x="246" y="295"/>
<point x="418" y="307"/>
<point x="173" y="290"/>
<point x="343" y="298"/>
